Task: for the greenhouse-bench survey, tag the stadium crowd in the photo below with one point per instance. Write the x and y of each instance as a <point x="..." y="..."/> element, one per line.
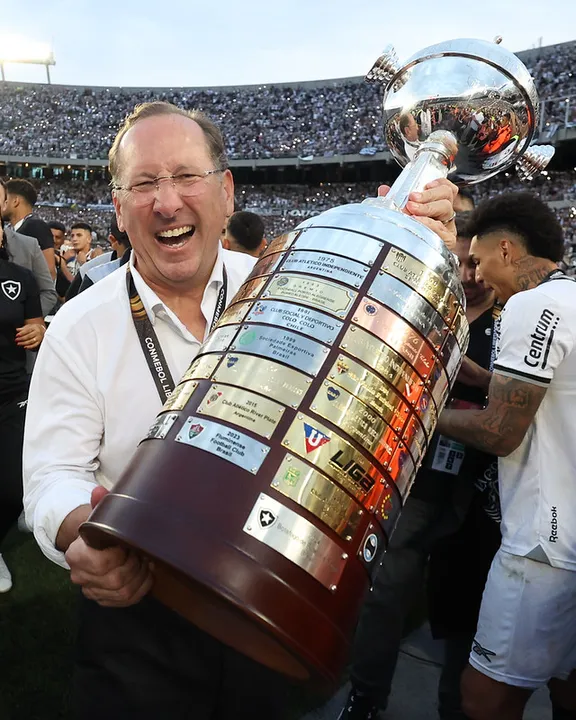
<point x="260" y="122"/>
<point x="79" y="336"/>
<point x="556" y="81"/>
<point x="283" y="206"/>
<point x="550" y="186"/>
<point x="338" y="117"/>
<point x="553" y="70"/>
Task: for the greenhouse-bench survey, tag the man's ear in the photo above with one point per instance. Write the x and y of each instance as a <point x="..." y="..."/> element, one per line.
<point x="262" y="247"/>
<point x="225" y="242"/>
<point x="504" y="247"/>
<point x="118" y="209"/>
<point x="228" y="191"/>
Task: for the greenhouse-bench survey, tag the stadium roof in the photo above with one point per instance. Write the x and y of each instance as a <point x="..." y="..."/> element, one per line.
<point x="526" y="56"/>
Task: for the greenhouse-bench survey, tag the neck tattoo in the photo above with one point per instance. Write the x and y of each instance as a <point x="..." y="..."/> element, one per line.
<point x="530" y="271"/>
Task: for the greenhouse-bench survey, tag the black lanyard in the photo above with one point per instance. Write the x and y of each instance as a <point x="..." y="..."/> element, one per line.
<point x="496" y="313"/>
<point x="149" y="340"/>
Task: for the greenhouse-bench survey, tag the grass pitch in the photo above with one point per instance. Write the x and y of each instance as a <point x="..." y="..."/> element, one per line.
<point x="37" y="628"/>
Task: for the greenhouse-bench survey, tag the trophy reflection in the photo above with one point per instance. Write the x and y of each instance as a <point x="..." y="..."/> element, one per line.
<point x="479" y="95"/>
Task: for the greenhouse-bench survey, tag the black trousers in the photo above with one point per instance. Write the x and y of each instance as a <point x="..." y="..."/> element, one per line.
<point x="145" y="662"/>
<point x="397" y="585"/>
<point x="12" y="415"/>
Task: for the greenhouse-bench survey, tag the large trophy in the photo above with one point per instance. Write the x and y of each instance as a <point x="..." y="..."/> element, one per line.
<point x="267" y="487"/>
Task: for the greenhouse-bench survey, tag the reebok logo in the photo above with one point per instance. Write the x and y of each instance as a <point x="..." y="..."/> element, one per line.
<point x="553" y="526"/>
<point x="541" y="339"/>
<point x="482" y="651"/>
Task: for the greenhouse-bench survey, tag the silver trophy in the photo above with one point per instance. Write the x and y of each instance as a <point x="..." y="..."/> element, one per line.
<point x="463" y="109"/>
<point x="272" y="478"/>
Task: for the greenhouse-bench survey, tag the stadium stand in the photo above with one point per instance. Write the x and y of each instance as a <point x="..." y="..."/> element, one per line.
<point x="322" y="118"/>
<point x="59" y="136"/>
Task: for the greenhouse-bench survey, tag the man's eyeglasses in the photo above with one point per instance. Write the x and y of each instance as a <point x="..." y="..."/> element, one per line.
<point x="185" y="184"/>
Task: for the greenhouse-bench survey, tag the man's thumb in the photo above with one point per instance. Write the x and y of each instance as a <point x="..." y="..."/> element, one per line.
<point x="97" y="494"/>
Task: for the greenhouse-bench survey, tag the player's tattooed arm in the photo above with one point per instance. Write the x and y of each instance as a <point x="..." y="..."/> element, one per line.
<point x="501" y="426"/>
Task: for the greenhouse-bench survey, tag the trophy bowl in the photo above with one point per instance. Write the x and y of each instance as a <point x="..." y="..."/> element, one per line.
<point x="478" y="91"/>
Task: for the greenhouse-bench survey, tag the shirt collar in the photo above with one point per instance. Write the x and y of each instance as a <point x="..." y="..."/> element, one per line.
<point x="20" y="222"/>
<point x="155" y="308"/>
<point x="216" y="278"/>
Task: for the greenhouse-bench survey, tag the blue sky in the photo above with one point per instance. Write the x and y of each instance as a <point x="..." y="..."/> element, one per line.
<point x="185" y="42"/>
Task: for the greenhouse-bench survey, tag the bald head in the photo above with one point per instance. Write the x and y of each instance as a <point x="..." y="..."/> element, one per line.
<point x="159" y="142"/>
<point x="147" y="111"/>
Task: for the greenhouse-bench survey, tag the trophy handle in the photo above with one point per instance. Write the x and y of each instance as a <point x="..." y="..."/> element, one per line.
<point x="385" y="68"/>
<point x="433" y="160"/>
<point x="534" y="161"/>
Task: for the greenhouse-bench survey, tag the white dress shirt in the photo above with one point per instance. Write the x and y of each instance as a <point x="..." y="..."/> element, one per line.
<point x="92" y="396"/>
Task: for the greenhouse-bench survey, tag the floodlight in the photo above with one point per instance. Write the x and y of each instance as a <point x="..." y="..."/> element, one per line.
<point x="21" y="50"/>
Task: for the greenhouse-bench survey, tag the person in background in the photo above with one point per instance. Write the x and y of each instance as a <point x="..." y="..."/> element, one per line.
<point x="81" y="240"/>
<point x="58" y="231"/>
<point x="63" y="254"/>
<point x="119" y="241"/>
<point x="245" y="233"/>
<point x="459" y="563"/>
<point x="18" y="209"/>
<point x="25" y="251"/>
<point x="90" y="264"/>
<point x="526" y="634"/>
<point x="120" y="255"/>
<point x="21" y="328"/>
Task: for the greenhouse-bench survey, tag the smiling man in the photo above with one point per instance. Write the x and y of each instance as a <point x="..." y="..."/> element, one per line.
<point x="172" y="193"/>
<point x="95" y="393"/>
<point x="526" y="633"/>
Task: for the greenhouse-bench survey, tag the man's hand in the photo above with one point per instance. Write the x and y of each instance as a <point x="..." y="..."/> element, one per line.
<point x="114" y="577"/>
<point x="434" y="207"/>
<point x="30" y="336"/>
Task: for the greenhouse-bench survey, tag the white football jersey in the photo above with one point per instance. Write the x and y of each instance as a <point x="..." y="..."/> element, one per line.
<point x="538" y="480"/>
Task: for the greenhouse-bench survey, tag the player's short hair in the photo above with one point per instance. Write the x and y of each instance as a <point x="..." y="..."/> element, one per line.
<point x="80" y="225"/>
<point x="524" y="215"/>
<point x="23" y="188"/>
<point x="247" y="229"/>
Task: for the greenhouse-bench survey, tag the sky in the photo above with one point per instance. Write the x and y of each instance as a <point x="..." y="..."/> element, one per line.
<point x="220" y="42"/>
